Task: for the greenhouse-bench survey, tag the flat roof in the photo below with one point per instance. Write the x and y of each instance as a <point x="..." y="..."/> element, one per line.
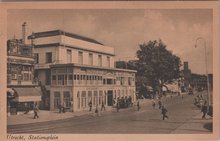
<point x="91" y="67"/>
<point x="61" y="32"/>
<point x="69" y="46"/>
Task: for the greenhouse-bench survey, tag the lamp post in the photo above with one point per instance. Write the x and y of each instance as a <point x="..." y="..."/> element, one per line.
<point x="204" y="41"/>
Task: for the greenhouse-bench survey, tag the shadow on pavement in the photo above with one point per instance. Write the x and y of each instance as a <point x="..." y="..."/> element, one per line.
<point x="208" y="126"/>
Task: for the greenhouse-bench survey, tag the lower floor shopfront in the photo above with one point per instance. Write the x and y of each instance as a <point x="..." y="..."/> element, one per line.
<point x="22" y="99"/>
<point x="78" y="98"/>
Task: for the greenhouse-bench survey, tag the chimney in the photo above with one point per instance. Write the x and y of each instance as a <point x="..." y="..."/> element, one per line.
<point x="24" y="33"/>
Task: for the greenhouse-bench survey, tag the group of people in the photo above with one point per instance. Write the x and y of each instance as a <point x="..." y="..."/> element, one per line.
<point x="161" y="107"/>
<point x="198" y="101"/>
<point x="123" y="102"/>
<point x="96" y="108"/>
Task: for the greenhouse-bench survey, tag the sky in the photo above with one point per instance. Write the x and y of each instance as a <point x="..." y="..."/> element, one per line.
<point x="126" y="29"/>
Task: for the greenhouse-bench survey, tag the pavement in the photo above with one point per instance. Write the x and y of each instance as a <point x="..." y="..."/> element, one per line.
<point x="192" y="126"/>
<point x="45" y="115"/>
<point x="195" y="125"/>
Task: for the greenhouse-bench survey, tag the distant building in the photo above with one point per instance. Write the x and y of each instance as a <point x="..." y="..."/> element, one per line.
<point x="193" y="80"/>
<point x="186" y="75"/>
<point x="22" y="91"/>
<point x="77" y="70"/>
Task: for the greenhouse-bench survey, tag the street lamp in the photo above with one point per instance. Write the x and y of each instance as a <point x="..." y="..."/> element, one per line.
<point x="204" y="41"/>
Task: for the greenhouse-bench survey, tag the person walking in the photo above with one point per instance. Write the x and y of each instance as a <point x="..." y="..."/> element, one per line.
<point x="164" y="112"/>
<point x="138" y="105"/>
<point x="60" y="108"/>
<point x="96" y="110"/>
<point x="204" y="110"/>
<point x="153" y="104"/>
<point x="90" y="106"/>
<point x="117" y="106"/>
<point x="159" y="104"/>
<point x="35" y="112"/>
<point x="64" y="107"/>
<point x="103" y="106"/>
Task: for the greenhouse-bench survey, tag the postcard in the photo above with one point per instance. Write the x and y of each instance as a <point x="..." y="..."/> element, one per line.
<point x="107" y="70"/>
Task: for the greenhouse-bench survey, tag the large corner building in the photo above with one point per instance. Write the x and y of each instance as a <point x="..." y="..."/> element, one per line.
<point x="77" y="70"/>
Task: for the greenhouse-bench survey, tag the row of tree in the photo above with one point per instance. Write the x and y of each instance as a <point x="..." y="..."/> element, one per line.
<point x="155" y="66"/>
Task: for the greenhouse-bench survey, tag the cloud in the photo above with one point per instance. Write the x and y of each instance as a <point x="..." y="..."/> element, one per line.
<point x="126" y="29"/>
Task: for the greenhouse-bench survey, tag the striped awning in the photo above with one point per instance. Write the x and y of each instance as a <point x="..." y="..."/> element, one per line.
<point x="27" y="94"/>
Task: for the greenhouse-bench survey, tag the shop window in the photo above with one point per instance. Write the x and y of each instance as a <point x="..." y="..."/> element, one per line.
<point x="48" y="77"/>
<point x="78" y="99"/>
<point x="95" y="98"/>
<point x="66" y="99"/>
<point x="83" y="103"/>
<point x="89" y="96"/>
<point x="101" y="97"/>
<point x="57" y="100"/>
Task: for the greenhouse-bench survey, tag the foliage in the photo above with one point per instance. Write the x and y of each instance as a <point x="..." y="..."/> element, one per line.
<point x="156" y="65"/>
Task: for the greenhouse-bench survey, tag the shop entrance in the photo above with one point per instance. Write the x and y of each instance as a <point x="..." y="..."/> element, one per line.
<point x="110" y="98"/>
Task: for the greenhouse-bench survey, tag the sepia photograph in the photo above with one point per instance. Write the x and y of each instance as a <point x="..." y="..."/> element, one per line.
<point x="110" y="70"/>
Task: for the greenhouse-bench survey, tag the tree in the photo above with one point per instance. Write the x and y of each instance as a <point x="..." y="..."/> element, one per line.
<point x="156" y="65"/>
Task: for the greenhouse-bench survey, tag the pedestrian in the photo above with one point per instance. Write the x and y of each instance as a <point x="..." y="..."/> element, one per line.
<point x="153" y="104"/>
<point x="159" y="104"/>
<point x="138" y="105"/>
<point x="195" y="101"/>
<point x="96" y="110"/>
<point x="35" y="112"/>
<point x="90" y="106"/>
<point x="64" y="107"/>
<point x="164" y="112"/>
<point x="103" y="106"/>
<point x="204" y="110"/>
<point x="117" y="106"/>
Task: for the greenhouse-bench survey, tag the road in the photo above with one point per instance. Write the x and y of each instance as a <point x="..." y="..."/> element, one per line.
<point x="145" y="121"/>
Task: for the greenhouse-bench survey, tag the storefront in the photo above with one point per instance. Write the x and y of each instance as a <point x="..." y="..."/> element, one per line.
<point x="24" y="99"/>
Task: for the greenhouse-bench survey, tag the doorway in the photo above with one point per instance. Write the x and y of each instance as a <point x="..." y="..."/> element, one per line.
<point x="110" y="98"/>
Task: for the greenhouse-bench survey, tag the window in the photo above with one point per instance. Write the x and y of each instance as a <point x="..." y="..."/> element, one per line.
<point x="95" y="98"/>
<point x="83" y="103"/>
<point x="109" y="81"/>
<point x="47" y="78"/>
<point x="36" y="58"/>
<point x="26" y="76"/>
<point x="54" y="78"/>
<point x="90" y="59"/>
<point x="80" y="57"/>
<point x="69" y="56"/>
<point x="78" y="99"/>
<point x="108" y="61"/>
<point x="57" y="100"/>
<point x="89" y="96"/>
<point x="99" y="60"/>
<point x="49" y="57"/>
<point x="60" y="79"/>
<point x="66" y="99"/>
<point x="101" y="98"/>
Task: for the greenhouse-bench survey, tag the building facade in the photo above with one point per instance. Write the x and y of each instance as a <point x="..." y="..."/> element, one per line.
<point x="22" y="90"/>
<point x="77" y="70"/>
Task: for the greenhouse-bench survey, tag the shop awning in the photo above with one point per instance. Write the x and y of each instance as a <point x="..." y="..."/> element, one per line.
<point x="24" y="94"/>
